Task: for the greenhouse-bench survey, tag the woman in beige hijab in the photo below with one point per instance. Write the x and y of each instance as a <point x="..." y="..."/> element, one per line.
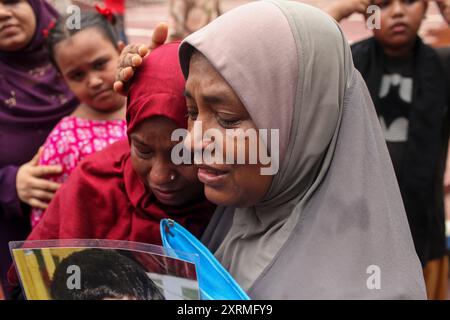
<point x="330" y="223"/>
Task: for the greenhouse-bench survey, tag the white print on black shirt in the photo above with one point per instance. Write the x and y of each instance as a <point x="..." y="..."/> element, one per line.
<point x="396" y="97"/>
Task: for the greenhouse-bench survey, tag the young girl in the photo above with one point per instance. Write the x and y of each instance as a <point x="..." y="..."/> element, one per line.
<point x="87" y="59"/>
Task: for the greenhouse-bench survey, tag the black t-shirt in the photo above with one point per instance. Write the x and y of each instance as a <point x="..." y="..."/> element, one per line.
<point x="394" y="105"/>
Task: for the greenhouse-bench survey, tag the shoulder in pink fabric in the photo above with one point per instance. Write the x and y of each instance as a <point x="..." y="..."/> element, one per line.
<point x="72" y="140"/>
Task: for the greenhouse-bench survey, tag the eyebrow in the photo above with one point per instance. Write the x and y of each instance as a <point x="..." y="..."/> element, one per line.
<point x="138" y="140"/>
<point x="212" y="99"/>
<point x="103" y="57"/>
<point x="72" y="72"/>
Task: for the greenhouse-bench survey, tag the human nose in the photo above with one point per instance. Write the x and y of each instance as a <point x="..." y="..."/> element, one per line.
<point x="162" y="173"/>
<point x="95" y="81"/>
<point x="398" y="8"/>
<point x="5" y="13"/>
<point x="195" y="141"/>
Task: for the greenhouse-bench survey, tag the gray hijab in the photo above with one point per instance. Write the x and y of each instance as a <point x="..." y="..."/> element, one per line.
<point x="332" y="225"/>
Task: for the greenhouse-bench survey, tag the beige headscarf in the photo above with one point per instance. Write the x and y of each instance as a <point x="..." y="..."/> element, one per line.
<point x="333" y="215"/>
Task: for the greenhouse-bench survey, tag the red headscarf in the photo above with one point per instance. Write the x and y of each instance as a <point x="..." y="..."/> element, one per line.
<point x="104" y="198"/>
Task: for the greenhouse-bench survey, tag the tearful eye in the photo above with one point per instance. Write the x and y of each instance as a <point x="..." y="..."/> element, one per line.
<point x="145" y="154"/>
<point x="227" y="122"/>
<point x="142" y="151"/>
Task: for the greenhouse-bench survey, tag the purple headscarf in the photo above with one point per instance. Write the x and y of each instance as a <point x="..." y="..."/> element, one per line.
<point x="31" y="89"/>
<point x="33" y="98"/>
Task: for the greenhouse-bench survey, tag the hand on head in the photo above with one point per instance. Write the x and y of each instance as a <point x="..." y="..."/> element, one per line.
<point x="131" y="57"/>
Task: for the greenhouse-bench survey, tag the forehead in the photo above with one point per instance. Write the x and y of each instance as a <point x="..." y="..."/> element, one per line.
<point x="82" y="47"/>
<point x="205" y="85"/>
<point x="203" y="75"/>
<point x="155" y="131"/>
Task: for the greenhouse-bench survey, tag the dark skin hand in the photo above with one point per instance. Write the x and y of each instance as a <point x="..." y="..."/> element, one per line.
<point x="132" y="55"/>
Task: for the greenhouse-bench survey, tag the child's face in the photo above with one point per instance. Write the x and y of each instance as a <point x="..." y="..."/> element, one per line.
<point x="400" y="21"/>
<point x="88" y="63"/>
<point x="17" y="24"/>
<point x="151" y="149"/>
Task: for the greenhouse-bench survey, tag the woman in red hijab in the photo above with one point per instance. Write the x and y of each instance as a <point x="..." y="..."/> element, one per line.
<point x="123" y="192"/>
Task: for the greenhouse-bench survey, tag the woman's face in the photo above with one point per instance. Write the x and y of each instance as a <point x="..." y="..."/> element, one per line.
<point x="88" y="63"/>
<point x="213" y="104"/>
<point x="17" y="24"/>
<point x="151" y="149"/>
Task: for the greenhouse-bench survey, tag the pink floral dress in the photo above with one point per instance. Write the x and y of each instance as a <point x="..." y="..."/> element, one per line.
<point x="73" y="139"/>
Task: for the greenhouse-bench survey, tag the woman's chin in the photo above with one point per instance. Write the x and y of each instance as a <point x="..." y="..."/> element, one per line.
<point x="220" y="197"/>
<point x="168" y="202"/>
<point x="172" y="200"/>
<point x="15" y="44"/>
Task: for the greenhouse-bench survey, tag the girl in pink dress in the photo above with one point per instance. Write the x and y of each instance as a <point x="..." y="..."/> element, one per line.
<point x="87" y="58"/>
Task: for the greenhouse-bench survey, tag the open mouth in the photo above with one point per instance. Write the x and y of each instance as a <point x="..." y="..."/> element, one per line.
<point x="211" y="176"/>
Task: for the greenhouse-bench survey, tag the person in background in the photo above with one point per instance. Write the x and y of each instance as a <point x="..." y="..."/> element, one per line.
<point x="407" y="84"/>
<point x="33" y="99"/>
<point x="188" y="16"/>
<point x="87" y="59"/>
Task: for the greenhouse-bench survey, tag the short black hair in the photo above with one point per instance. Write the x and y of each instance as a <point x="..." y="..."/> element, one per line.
<point x="104" y="273"/>
<point x="88" y="19"/>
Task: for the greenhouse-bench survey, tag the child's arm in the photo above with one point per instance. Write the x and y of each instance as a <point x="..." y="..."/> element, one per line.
<point x="444" y="6"/>
<point x="343" y="9"/>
